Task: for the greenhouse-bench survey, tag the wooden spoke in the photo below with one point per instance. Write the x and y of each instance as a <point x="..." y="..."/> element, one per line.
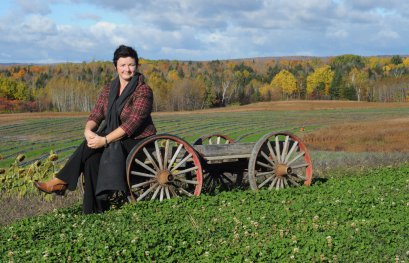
<point x="143" y="174"/>
<point x="285" y="182"/>
<point x="172" y="191"/>
<point x="145" y="166"/>
<point x="265" y="173"/>
<point x="292" y="181"/>
<point x="143" y="184"/>
<point x="150" y="158"/>
<point x="218" y="140"/>
<point x="175" y="155"/>
<point x="184" y="191"/>
<point x="210" y="141"/>
<point x="161" y="194"/>
<point x="156" y="192"/>
<point x="278" y="152"/>
<point x="185" y="171"/>
<point x="167" y="192"/>
<point x="222" y="176"/>
<point x="227" y="142"/>
<point x="267" y="158"/>
<point x="187" y="181"/>
<point x="300" y="166"/>
<point x="264" y="165"/>
<point x="273" y="183"/>
<point x="285" y="148"/>
<point x="295" y="158"/>
<point x="299" y="176"/>
<point x="282" y="182"/>
<point x="165" y="157"/>
<point x="291" y="151"/>
<point x="278" y="185"/>
<point x="181" y="162"/>
<point x="147" y="192"/>
<point x="158" y="155"/>
<point x="266" y="181"/>
<point x="270" y="148"/>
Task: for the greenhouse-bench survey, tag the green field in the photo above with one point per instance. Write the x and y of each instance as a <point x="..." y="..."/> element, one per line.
<point x="348" y="217"/>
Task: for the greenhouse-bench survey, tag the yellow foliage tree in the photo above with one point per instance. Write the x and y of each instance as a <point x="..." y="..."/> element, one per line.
<point x="264" y="91"/>
<point x="320" y="80"/>
<point x="173" y="75"/>
<point x="406" y="62"/>
<point x="285" y="82"/>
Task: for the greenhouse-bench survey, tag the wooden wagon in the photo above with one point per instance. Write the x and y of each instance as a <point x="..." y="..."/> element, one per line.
<point x="165" y="166"/>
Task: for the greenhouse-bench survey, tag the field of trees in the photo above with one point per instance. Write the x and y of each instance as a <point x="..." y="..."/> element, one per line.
<point x="188" y="85"/>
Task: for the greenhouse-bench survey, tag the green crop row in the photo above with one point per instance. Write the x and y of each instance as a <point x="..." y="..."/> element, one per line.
<point x="348" y="217"/>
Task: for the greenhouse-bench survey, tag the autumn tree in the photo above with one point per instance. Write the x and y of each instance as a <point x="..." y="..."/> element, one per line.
<point x="318" y="82"/>
<point x="285" y="83"/>
<point x="13" y="90"/>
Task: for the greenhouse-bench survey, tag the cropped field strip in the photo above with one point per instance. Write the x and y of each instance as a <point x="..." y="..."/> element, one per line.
<point x="36" y="138"/>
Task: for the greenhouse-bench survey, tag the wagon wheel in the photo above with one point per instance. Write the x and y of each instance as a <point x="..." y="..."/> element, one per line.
<point x="215" y="179"/>
<point x="162" y="167"/>
<point x="279" y="160"/>
<point x="214" y="138"/>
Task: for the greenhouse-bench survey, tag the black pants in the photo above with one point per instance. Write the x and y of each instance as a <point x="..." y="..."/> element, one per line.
<point x="86" y="160"/>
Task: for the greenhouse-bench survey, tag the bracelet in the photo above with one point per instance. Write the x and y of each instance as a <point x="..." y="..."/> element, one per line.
<point x="106" y="142"/>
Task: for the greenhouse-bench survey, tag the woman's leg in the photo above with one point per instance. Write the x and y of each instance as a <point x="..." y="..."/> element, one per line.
<point x="75" y="165"/>
<point x="91" y="167"/>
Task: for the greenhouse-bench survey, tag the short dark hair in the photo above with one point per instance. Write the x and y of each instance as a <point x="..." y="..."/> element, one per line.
<point x="123" y="52"/>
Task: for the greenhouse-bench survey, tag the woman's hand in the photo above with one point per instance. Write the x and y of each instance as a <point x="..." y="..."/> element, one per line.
<point x="96" y="142"/>
<point x="88" y="134"/>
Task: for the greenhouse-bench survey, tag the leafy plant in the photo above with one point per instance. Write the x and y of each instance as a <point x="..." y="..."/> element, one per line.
<point x="18" y="180"/>
<point x="351" y="217"/>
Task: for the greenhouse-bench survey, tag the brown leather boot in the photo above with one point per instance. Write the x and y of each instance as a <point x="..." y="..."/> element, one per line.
<point x="55" y="185"/>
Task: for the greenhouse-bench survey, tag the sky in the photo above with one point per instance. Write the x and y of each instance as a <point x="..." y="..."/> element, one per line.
<point x="54" y="31"/>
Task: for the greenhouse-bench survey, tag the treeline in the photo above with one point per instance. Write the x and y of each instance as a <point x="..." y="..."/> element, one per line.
<point x="187" y="85"/>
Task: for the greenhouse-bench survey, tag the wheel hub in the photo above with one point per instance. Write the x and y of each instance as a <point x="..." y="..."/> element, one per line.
<point x="164" y="176"/>
<point x="282" y="170"/>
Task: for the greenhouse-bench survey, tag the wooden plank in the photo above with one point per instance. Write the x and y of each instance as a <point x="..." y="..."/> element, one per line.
<point x="234" y="150"/>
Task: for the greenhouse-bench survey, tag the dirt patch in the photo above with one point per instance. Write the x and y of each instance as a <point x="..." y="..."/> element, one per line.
<point x="15" y="208"/>
<point x="300" y="105"/>
<point x="12" y="118"/>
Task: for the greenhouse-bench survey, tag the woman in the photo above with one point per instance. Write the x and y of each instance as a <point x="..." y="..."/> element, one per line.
<point x="126" y="107"/>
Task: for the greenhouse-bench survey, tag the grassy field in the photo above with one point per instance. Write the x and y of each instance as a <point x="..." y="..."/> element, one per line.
<point x="348" y="217"/>
<point x="360" y="154"/>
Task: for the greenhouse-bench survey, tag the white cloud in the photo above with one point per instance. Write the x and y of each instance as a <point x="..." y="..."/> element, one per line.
<point x="199" y="30"/>
<point x="35" y="6"/>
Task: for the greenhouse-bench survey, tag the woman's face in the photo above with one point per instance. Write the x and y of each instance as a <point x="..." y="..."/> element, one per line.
<point x="126" y="68"/>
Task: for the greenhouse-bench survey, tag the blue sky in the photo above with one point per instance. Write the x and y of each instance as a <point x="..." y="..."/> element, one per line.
<point x="48" y="31"/>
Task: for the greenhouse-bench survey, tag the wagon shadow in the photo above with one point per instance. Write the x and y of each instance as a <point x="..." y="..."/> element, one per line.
<point x="318" y="181"/>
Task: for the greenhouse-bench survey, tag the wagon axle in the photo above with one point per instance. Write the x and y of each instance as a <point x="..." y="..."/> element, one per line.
<point x="164" y="177"/>
<point x="282" y="170"/>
